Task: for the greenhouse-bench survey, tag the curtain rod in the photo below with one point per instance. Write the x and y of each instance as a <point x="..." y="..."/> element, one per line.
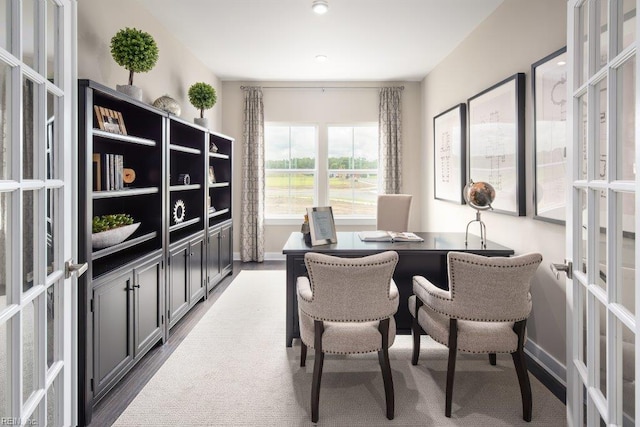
<point x="320" y="87"/>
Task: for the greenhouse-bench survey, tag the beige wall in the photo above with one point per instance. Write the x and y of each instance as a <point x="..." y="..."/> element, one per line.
<point x="516" y="35"/>
<point x="176" y="70"/>
<point x="331" y="106"/>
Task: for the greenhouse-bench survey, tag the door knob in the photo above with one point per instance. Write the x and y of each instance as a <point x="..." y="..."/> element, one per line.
<point x="567" y="268"/>
<point x="70" y="268"/>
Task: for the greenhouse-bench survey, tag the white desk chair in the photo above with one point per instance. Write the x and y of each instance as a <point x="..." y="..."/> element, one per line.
<point x="393" y="212"/>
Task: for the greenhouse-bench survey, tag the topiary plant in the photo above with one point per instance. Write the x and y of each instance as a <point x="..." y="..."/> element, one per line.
<point x="202" y="96"/>
<point x="135" y="50"/>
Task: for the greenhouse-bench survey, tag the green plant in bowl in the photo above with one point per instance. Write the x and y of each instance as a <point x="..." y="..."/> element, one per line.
<point x="109" y="222"/>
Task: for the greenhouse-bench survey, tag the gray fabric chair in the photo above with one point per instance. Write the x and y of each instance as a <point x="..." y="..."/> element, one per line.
<point x="346" y="306"/>
<point x="485" y="310"/>
<point x="393" y="212"/>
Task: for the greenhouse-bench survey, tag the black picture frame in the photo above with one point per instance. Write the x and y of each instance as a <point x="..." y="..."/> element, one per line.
<point x="496" y="147"/>
<point x="549" y="93"/>
<point x="450" y="154"/>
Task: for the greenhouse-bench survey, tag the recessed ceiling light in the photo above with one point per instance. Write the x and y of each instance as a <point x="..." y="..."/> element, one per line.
<point x="320" y="6"/>
<point x="321" y="58"/>
<point x="562" y="63"/>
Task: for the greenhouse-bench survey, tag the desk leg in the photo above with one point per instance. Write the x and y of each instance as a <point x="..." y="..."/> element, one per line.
<point x="291" y="294"/>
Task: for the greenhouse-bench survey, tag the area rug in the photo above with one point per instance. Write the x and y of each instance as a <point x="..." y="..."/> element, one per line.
<point x="233" y="369"/>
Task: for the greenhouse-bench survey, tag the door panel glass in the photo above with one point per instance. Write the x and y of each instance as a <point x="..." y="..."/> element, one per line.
<point x="51" y="227"/>
<point x="4" y="366"/>
<point x="626" y="294"/>
<point x="52" y="320"/>
<point x="626" y="123"/>
<point x="628" y="28"/>
<point x="582" y="225"/>
<point x="628" y="374"/>
<point x="583" y="135"/>
<point x="52" y="40"/>
<point x="583" y="326"/>
<point x="5" y="28"/>
<point x="51" y="135"/>
<point x="53" y="403"/>
<point x="29" y="130"/>
<point x="582" y="45"/>
<point x="601" y="131"/>
<point x="600" y="340"/>
<point x="28" y="32"/>
<point x="29" y="230"/>
<point x="28" y="350"/>
<point x="5" y="121"/>
<point x="5" y="248"/>
<point x="601" y="247"/>
<point x="603" y="26"/>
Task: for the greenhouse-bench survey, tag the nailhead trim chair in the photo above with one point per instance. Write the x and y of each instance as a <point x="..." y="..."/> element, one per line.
<point x="346" y="306"/>
<point x="393" y="212"/>
<point x="485" y="310"/>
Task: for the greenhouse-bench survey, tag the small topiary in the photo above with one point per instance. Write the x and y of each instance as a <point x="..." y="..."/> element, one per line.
<point x="135" y="50"/>
<point x="202" y="96"/>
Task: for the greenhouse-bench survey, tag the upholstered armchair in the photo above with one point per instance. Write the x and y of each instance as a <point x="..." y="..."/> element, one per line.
<point x="485" y="310"/>
<point x="393" y="212"/>
<point x="346" y="306"/>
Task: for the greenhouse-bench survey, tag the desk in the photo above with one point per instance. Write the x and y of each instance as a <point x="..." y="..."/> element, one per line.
<point x="428" y="259"/>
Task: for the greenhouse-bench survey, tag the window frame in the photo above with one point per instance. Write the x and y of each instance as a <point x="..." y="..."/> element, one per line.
<point x="321" y="184"/>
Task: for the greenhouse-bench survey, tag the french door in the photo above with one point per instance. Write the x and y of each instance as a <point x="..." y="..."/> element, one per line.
<point x="37" y="295"/>
<point x="603" y="360"/>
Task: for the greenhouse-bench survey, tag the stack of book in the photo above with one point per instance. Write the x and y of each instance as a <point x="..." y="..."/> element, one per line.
<point x="107" y="172"/>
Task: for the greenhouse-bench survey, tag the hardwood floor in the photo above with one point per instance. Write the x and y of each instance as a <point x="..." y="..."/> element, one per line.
<point x="116" y="401"/>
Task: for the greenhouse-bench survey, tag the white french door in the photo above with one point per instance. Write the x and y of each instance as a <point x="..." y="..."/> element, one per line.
<point x="602" y="297"/>
<point x="37" y="297"/>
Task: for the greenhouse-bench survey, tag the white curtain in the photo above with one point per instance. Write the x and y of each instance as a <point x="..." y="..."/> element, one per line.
<point x="390" y="139"/>
<point x="252" y="206"/>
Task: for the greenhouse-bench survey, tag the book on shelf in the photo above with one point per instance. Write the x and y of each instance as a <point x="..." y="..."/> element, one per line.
<point x="389" y="236"/>
<point x="108" y="172"/>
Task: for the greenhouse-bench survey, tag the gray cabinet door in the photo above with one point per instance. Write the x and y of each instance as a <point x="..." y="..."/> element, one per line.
<point x="148" y="304"/>
<point x="178" y="298"/>
<point x="226" y="248"/>
<point x="196" y="269"/>
<point x="113" y="324"/>
<point x="213" y="258"/>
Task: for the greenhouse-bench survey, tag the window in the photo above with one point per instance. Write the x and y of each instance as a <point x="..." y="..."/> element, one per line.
<point x="339" y="169"/>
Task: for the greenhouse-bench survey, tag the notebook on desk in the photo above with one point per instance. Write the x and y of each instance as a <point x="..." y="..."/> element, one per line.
<point x="389" y="236"/>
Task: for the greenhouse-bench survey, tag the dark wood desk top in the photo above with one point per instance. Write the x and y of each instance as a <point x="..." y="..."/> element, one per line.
<point x="348" y="241"/>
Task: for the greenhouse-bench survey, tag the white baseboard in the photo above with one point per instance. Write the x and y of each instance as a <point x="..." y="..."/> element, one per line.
<point x="547" y="362"/>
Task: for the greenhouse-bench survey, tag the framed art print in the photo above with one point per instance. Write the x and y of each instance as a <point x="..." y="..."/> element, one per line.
<point x="549" y="89"/>
<point x="110" y="120"/>
<point x="449" y="153"/>
<point x="496" y="142"/>
<point x="322" y="226"/>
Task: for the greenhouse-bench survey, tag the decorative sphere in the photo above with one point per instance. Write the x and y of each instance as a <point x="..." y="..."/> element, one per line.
<point x="168" y="104"/>
<point x="479" y="195"/>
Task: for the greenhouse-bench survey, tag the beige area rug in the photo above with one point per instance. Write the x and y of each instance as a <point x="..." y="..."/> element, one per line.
<point x="234" y="369"/>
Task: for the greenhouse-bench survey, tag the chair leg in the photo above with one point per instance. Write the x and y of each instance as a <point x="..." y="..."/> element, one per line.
<point x="317" y="371"/>
<point x="385" y="367"/>
<point x="303" y="354"/>
<point x="492" y="359"/>
<point x="520" y="364"/>
<point x="416" y="330"/>
<point x="451" y="366"/>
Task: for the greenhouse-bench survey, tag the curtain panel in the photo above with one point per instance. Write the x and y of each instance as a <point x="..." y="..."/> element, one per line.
<point x="390" y="139"/>
<point x="252" y="205"/>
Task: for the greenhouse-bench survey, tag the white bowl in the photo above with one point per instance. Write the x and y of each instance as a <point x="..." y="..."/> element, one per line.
<point x="104" y="239"/>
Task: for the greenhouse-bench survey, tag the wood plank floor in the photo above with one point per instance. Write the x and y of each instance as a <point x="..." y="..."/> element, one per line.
<point x="116" y="401"/>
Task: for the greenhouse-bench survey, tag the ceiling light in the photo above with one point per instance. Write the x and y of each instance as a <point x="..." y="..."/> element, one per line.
<point x="321" y="58"/>
<point x="320" y="6"/>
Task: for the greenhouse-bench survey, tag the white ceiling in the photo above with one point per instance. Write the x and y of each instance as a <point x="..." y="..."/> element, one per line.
<point x="278" y="40"/>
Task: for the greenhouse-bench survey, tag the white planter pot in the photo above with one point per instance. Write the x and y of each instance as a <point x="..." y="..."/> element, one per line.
<point x="133" y="91"/>
<point x="202" y="121"/>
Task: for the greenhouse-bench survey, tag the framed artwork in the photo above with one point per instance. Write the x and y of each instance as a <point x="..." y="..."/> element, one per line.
<point x="322" y="226"/>
<point x="449" y="153"/>
<point x="496" y="142"/>
<point x="110" y="120"/>
<point x="549" y="89"/>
